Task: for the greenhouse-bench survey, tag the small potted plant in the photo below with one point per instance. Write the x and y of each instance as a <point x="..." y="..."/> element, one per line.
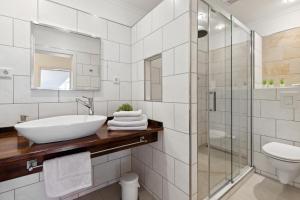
<point x="265" y="83"/>
<point x="282" y="83"/>
<point x="271" y="83"/>
<point x="125" y="107"/>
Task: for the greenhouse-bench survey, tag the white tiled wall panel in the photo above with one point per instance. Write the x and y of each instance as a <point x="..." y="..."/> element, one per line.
<point x="56" y="15"/>
<point x="16" y="97"/>
<point x="164" y="30"/>
<point x="272" y="122"/>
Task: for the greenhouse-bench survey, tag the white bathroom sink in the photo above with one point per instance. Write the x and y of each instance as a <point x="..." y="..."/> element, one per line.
<point x="60" y="128"/>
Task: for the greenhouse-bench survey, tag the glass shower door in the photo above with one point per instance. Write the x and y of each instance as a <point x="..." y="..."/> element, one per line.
<point x="219" y="101"/>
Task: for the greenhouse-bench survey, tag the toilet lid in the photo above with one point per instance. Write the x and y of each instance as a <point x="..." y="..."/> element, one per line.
<point x="282" y="151"/>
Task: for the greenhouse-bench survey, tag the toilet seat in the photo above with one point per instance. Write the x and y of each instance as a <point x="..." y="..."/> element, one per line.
<point x="283" y="152"/>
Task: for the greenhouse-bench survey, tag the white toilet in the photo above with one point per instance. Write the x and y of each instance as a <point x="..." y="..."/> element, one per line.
<point x="285" y="158"/>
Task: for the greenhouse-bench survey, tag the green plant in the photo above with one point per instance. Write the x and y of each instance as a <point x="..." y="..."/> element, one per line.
<point x="125" y="107"/>
<point x="281" y="81"/>
<point x="264" y="82"/>
<point x="271" y="82"/>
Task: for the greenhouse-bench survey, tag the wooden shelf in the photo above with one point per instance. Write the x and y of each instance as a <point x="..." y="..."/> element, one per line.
<point x="15" y="150"/>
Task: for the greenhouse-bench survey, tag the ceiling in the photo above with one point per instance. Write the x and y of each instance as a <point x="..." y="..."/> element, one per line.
<point x="126" y="12"/>
<point x="251" y="11"/>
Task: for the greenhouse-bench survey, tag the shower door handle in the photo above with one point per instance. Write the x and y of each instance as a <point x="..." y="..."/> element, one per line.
<point x="213" y="99"/>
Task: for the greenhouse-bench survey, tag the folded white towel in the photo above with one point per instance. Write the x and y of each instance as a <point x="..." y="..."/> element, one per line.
<point x="128" y="113"/>
<point x="118" y="128"/>
<point x="128" y="119"/>
<point x="67" y="174"/>
<point x="142" y="122"/>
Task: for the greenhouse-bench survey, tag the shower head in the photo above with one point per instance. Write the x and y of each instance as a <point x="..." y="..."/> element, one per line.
<point x="202" y="33"/>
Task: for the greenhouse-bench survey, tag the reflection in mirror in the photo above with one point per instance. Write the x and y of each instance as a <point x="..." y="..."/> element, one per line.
<point x="64" y="60"/>
<point x="153" y="78"/>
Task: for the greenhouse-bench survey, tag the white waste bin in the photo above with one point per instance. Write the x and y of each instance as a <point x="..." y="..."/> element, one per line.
<point x="130" y="186"/>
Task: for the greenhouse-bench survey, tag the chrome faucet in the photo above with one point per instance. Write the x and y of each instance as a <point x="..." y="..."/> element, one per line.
<point x="89" y="104"/>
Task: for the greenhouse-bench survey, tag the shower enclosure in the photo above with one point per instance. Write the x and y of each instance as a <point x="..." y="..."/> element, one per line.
<point x="224" y="100"/>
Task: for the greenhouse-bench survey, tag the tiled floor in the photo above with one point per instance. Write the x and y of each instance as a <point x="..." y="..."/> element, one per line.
<point x="257" y="187"/>
<point x="113" y="192"/>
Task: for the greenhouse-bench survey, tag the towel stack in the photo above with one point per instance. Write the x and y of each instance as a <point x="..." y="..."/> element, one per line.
<point x="128" y="120"/>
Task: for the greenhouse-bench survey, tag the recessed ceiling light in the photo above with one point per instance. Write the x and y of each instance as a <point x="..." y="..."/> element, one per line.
<point x="220" y="26"/>
<point x="288" y="1"/>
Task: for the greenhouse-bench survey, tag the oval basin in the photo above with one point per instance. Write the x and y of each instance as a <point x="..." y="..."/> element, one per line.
<point x="60" y="128"/>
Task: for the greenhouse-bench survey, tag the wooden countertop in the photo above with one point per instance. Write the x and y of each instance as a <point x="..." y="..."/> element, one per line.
<point x="15" y="150"/>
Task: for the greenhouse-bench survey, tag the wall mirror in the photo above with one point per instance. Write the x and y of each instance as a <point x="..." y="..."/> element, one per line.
<point x="64" y="60"/>
<point x="153" y="78"/>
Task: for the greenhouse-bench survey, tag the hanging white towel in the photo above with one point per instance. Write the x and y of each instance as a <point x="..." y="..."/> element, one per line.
<point x="142" y="122"/>
<point x="118" y="128"/>
<point x="67" y="174"/>
<point x="128" y="119"/>
<point x="128" y="113"/>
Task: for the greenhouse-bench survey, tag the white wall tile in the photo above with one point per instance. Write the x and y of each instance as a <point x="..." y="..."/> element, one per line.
<point x="6" y="36"/>
<point x="16" y="58"/>
<point x="25" y="10"/>
<point x="267" y="94"/>
<point x="13" y="112"/>
<point x="92" y="25"/>
<point x="125" y="164"/>
<point x="176" y="144"/>
<point x="144" y="27"/>
<point x="119" y="33"/>
<point x="120" y="70"/>
<point x="173" y="193"/>
<point x="261" y="162"/>
<point x="99" y="160"/>
<point x="23" y="93"/>
<point x="164" y="112"/>
<point x="154" y="182"/>
<point x="57" y="109"/>
<point x="168" y="62"/>
<point x="110" y="50"/>
<point x="139" y="168"/>
<point x="106" y="172"/>
<point x="182" y="59"/>
<point x="163" y="13"/>
<point x="6" y="90"/>
<point x="32" y="192"/>
<point x="18" y="182"/>
<point x="144" y="154"/>
<point x="71" y="95"/>
<point x="180" y="26"/>
<point x="263" y="126"/>
<point x="153" y="44"/>
<point x="273" y="109"/>
<point x="7" y="195"/>
<point x="119" y="154"/>
<point x="21" y="33"/>
<point x="137" y="51"/>
<point x="125" y="91"/>
<point x="57" y="15"/>
<point x="182" y="176"/>
<point x="181" y="83"/>
<point x="108" y="91"/>
<point x="125" y="53"/>
<point x="288" y="130"/>
<point x="164" y="165"/>
<point x="181" y="6"/>
<point x="138" y="90"/>
<point x="182" y="117"/>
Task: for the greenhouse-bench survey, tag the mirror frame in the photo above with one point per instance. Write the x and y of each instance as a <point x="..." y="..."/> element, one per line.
<point x="32" y="51"/>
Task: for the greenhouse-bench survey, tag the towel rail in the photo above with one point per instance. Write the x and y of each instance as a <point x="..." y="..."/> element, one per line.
<point x="33" y="164"/>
